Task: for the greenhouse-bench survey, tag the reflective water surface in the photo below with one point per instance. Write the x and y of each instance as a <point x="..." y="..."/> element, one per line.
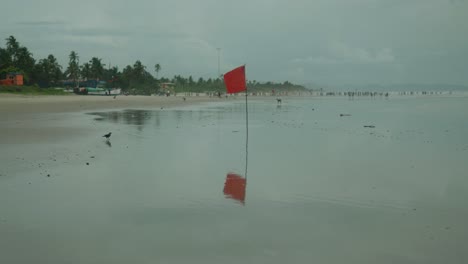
<point x="330" y="180"/>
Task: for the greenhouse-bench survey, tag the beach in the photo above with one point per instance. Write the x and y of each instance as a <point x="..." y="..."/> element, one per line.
<point x="25" y="118"/>
<point x="326" y="180"/>
<point x="20" y="104"/>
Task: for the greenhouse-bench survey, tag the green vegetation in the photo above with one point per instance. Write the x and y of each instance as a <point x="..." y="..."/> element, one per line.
<point x="73" y="70"/>
<point x="31" y="90"/>
<point x="40" y="77"/>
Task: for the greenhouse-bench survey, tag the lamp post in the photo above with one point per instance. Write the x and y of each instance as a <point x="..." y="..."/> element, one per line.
<point x="219" y="72"/>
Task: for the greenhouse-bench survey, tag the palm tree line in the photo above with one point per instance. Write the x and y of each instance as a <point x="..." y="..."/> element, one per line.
<point x="136" y="78"/>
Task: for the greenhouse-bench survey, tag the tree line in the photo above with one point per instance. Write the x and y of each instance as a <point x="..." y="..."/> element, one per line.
<point x="136" y="78"/>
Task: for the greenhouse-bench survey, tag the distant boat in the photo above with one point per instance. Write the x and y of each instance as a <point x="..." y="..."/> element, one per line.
<point x="115" y="91"/>
<point x="96" y="91"/>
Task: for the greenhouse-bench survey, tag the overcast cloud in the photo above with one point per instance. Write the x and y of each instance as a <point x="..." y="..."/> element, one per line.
<point x="320" y="41"/>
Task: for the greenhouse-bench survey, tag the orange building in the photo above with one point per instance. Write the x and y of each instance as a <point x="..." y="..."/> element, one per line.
<point x="13" y="79"/>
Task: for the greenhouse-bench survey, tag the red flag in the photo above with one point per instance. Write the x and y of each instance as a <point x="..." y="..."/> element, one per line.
<point x="235" y="80"/>
<point x="234" y="187"/>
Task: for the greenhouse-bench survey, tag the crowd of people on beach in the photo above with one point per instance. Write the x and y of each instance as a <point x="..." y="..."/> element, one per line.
<point x="351" y="94"/>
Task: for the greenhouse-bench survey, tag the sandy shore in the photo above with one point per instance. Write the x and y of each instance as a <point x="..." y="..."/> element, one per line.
<point x="15" y="104"/>
<point x="25" y="119"/>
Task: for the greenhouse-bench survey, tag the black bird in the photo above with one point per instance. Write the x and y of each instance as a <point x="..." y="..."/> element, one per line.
<point x="107" y="135"/>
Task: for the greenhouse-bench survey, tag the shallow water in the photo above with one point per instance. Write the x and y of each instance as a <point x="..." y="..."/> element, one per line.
<point x="320" y="188"/>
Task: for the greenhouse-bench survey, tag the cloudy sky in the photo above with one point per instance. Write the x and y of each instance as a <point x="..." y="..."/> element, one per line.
<point x="329" y="42"/>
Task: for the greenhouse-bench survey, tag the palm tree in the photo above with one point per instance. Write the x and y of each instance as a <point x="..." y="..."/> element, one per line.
<point x="73" y="69"/>
<point x="97" y="68"/>
<point x="12" y="46"/>
<point x="47" y="71"/>
<point x="157" y="68"/>
<point x="55" y="70"/>
<point x="139" y="71"/>
<point x="5" y="58"/>
<point x="86" y="70"/>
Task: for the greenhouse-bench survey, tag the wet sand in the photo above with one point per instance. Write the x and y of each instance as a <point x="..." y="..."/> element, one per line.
<point x="19" y="104"/>
<point x="26" y="119"/>
<point x="321" y="188"/>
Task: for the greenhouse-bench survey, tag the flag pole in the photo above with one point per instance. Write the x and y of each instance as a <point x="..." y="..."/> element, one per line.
<point x="246" y="130"/>
<point x="235" y="81"/>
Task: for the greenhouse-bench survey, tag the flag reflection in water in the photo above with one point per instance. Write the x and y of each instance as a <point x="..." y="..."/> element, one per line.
<point x="234" y="187"/>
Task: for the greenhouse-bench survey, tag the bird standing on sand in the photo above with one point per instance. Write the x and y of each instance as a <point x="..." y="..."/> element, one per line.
<point x="107" y="135"/>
